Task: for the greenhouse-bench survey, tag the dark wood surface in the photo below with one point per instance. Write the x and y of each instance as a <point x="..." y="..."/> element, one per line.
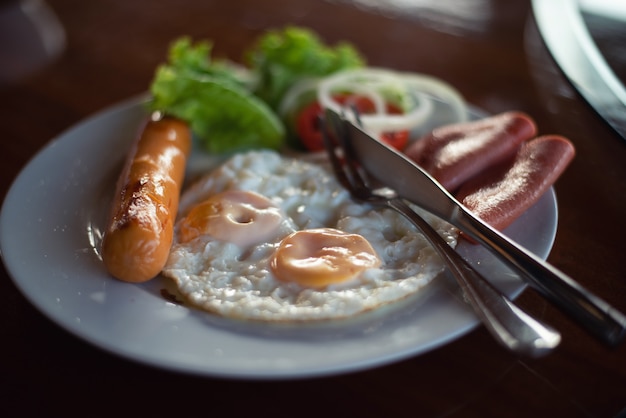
<point x="494" y="56"/>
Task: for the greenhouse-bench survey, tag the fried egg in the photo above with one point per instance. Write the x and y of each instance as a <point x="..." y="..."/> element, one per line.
<point x="269" y="237"/>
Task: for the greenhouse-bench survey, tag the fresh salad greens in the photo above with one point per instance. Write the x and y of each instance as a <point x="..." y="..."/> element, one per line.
<point x="214" y="98"/>
<point x="231" y="107"/>
<point x="282" y="58"/>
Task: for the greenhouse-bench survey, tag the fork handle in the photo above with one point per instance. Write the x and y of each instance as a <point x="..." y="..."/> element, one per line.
<point x="507" y="322"/>
<point x="591" y="312"/>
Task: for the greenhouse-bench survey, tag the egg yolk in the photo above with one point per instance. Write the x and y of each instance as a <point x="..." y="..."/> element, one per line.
<point x="242" y="217"/>
<point x="321" y="257"/>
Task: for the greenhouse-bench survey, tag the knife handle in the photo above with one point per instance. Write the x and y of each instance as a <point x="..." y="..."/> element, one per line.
<point x="588" y="310"/>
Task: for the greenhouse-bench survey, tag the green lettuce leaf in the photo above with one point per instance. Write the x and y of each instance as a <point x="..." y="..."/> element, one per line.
<point x="230" y="107"/>
<point x="280" y="58"/>
<point x="215" y="99"/>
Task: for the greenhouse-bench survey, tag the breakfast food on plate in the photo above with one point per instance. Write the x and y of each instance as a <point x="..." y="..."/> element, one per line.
<point x="501" y="193"/>
<point x="138" y="236"/>
<point x="453" y="153"/>
<point x="269" y="234"/>
<point x="322" y="256"/>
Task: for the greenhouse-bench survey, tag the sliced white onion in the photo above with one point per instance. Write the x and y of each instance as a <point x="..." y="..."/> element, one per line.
<point x="440" y="90"/>
<point x="372" y="82"/>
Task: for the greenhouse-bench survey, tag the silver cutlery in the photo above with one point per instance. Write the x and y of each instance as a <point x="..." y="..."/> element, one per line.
<point x="413" y="184"/>
<point x="507" y="322"/>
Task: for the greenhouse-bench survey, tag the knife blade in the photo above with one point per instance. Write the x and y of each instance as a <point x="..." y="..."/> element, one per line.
<point x="394" y="170"/>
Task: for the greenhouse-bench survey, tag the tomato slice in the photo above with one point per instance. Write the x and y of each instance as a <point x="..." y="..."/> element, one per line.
<point x="310" y="132"/>
<point x="308" y="127"/>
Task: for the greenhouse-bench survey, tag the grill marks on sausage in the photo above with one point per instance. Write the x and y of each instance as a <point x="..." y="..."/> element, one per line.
<point x="139" y="235"/>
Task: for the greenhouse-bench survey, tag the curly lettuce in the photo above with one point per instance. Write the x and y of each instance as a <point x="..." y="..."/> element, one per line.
<point x="215" y="99"/>
<point x="231" y="107"/>
<point x="280" y="58"/>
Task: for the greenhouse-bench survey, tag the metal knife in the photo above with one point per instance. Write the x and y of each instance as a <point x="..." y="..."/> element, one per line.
<point x="393" y="169"/>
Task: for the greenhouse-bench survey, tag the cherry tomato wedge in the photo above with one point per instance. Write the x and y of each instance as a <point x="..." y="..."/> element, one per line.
<point x="310" y="133"/>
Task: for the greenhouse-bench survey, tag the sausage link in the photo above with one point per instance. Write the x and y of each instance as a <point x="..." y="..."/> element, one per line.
<point x="454" y="153"/>
<point x="139" y="234"/>
<point x="502" y="193"/>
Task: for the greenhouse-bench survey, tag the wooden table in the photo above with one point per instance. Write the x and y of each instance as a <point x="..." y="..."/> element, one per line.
<point x="492" y="54"/>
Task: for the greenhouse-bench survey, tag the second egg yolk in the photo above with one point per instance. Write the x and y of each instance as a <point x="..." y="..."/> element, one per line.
<point x="321" y="257"/>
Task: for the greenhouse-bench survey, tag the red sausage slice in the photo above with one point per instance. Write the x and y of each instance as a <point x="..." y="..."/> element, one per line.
<point x="502" y="193"/>
<point x="454" y="153"/>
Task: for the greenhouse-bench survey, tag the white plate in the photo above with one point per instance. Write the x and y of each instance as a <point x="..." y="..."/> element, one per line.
<point x="55" y="208"/>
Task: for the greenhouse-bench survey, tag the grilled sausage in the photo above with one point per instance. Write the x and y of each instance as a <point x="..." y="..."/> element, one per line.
<point x="139" y="234"/>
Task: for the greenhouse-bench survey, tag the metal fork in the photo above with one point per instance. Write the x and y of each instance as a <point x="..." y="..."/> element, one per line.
<point x="507" y="322"/>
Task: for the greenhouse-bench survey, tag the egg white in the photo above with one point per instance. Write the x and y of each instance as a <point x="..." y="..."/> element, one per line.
<point x="223" y="278"/>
